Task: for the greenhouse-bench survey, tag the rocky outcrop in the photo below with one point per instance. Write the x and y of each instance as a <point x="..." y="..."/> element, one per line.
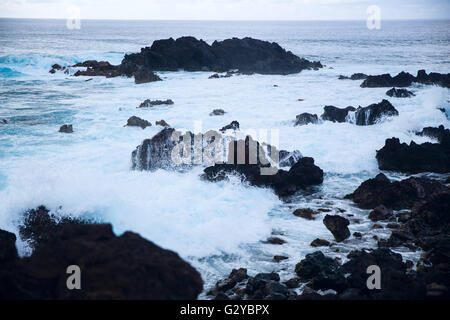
<point x="137" y="122"/>
<point x="98" y="68"/>
<point x="374" y="113"/>
<point x="288" y="159"/>
<point x="234" y="125"/>
<point x="188" y="53"/>
<point x="305" y="213"/>
<point x="335" y="114"/>
<point x="380" y="213"/>
<point x="414" y="158"/>
<point x="162" y="123"/>
<point x="66" y="128"/>
<point x="355" y="76"/>
<point x="150" y="103"/>
<point x="144" y="74"/>
<point x="306" y="118"/>
<point x="404" y="79"/>
<point x="112" y="267"/>
<point x="400" y="93"/>
<point x="338" y="226"/>
<point x="394" y="195"/>
<point x="441" y="134"/>
<point x="217" y="112"/>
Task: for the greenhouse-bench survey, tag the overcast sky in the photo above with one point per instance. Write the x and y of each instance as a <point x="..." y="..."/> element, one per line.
<point x="226" y="9"/>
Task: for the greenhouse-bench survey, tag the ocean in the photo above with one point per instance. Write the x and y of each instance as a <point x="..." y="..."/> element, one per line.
<point x="214" y="226"/>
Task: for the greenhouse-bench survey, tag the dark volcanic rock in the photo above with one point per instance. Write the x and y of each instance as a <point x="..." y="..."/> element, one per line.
<point x="217" y="112"/>
<point x="380" y="213"/>
<point x="320" y="243"/>
<point x="414" y="158"/>
<point x="162" y="123"/>
<point x="395" y="195"/>
<point x="440" y="134"/>
<point x="355" y="76"/>
<point x="234" y="125"/>
<point x="124" y="267"/>
<point x="66" y="128"/>
<point x="404" y="79"/>
<point x="334" y="114"/>
<point x="150" y="103"/>
<point x="279" y="258"/>
<point x="275" y="240"/>
<point x="138" y="122"/>
<point x="306" y="118"/>
<point x="97" y="68"/>
<point x="400" y="93"/>
<point x="144" y="75"/>
<point x="305" y="213"/>
<point x="246" y="55"/>
<point x="338" y="226"/>
<point x="288" y="159"/>
<point x="374" y="113"/>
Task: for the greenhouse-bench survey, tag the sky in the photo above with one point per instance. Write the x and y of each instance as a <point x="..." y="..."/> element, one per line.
<point x="224" y="9"/>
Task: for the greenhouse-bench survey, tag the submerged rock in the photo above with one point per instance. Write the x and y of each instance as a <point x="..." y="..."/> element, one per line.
<point x="150" y="103"/>
<point x="305" y="213"/>
<point x="338" y="226"/>
<point x="355" y="76"/>
<point x="400" y="93"/>
<point x="138" y="122"/>
<point x="217" y="112"/>
<point x="374" y="113"/>
<point x="335" y="114"/>
<point x="394" y="195"/>
<point x="234" y="125"/>
<point x="66" y="128"/>
<point x="414" y="158"/>
<point x="306" y="118"/>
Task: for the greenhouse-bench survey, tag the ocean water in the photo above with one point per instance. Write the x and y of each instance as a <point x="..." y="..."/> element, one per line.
<point x="215" y="226"/>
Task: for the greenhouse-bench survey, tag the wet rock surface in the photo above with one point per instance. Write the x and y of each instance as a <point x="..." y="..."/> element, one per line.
<point x="374" y="113"/>
<point x="66" y="128"/>
<point x="404" y="79"/>
<point x="150" y="103"/>
<point x="306" y="118"/>
<point x="399" y="93"/>
<point x="138" y="122"/>
<point x="332" y="113"/>
<point x="338" y="226"/>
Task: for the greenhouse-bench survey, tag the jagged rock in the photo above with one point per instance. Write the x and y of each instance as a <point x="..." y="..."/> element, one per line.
<point x="97" y="68"/>
<point x="306" y="118"/>
<point x="275" y="240"/>
<point x="123" y="267"/>
<point x="400" y="93"/>
<point x="138" y="122"/>
<point x="414" y="158"/>
<point x="217" y="112"/>
<point x="404" y="79"/>
<point x="395" y="195"/>
<point x="440" y="133"/>
<point x="374" y="113"/>
<point x="247" y="55"/>
<point x="338" y="226"/>
<point x="288" y="159"/>
<point x="4" y="121"/>
<point x="355" y="76"/>
<point x="334" y="114"/>
<point x="162" y="123"/>
<point x="150" y="103"/>
<point x="234" y="125"/>
<point x="279" y="258"/>
<point x="66" y="128"/>
<point x="305" y="213"/>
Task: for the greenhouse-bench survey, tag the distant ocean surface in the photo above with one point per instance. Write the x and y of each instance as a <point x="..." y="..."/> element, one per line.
<point x="215" y="226"/>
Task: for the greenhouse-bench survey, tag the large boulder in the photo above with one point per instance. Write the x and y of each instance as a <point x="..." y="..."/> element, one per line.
<point x="374" y="113"/>
<point x="306" y="118"/>
<point x="338" y="226"/>
<point x="147" y="103"/>
<point x="395" y="195"/>
<point x="138" y="122"/>
<point x="247" y="55"/>
<point x="414" y="158"/>
<point x="399" y="93"/>
<point x="335" y="114"/>
<point x="144" y="75"/>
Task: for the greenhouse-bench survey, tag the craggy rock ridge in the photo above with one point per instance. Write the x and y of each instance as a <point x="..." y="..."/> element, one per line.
<point x="395" y="195"/>
<point x="415" y="158"/>
<point x="190" y="54"/>
<point x="332" y="113"/>
<point x="440" y="133"/>
<point x="112" y="267"/>
<point x="404" y="79"/>
<point x="355" y="76"/>
<point x="399" y="93"/>
<point x="306" y="118"/>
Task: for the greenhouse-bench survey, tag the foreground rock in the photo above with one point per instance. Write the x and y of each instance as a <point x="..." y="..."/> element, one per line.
<point x="394" y="195"/>
<point x="150" y="103"/>
<point x="188" y="53"/>
<point x="138" y="122"/>
<point x="441" y="134"/>
<point x="112" y="267"/>
<point x="404" y="79"/>
<point x="66" y="128"/>
<point x="374" y="113"/>
<point x="338" y="226"/>
<point x="414" y="158"/>
<point x="306" y="118"/>
<point x="400" y="93"/>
